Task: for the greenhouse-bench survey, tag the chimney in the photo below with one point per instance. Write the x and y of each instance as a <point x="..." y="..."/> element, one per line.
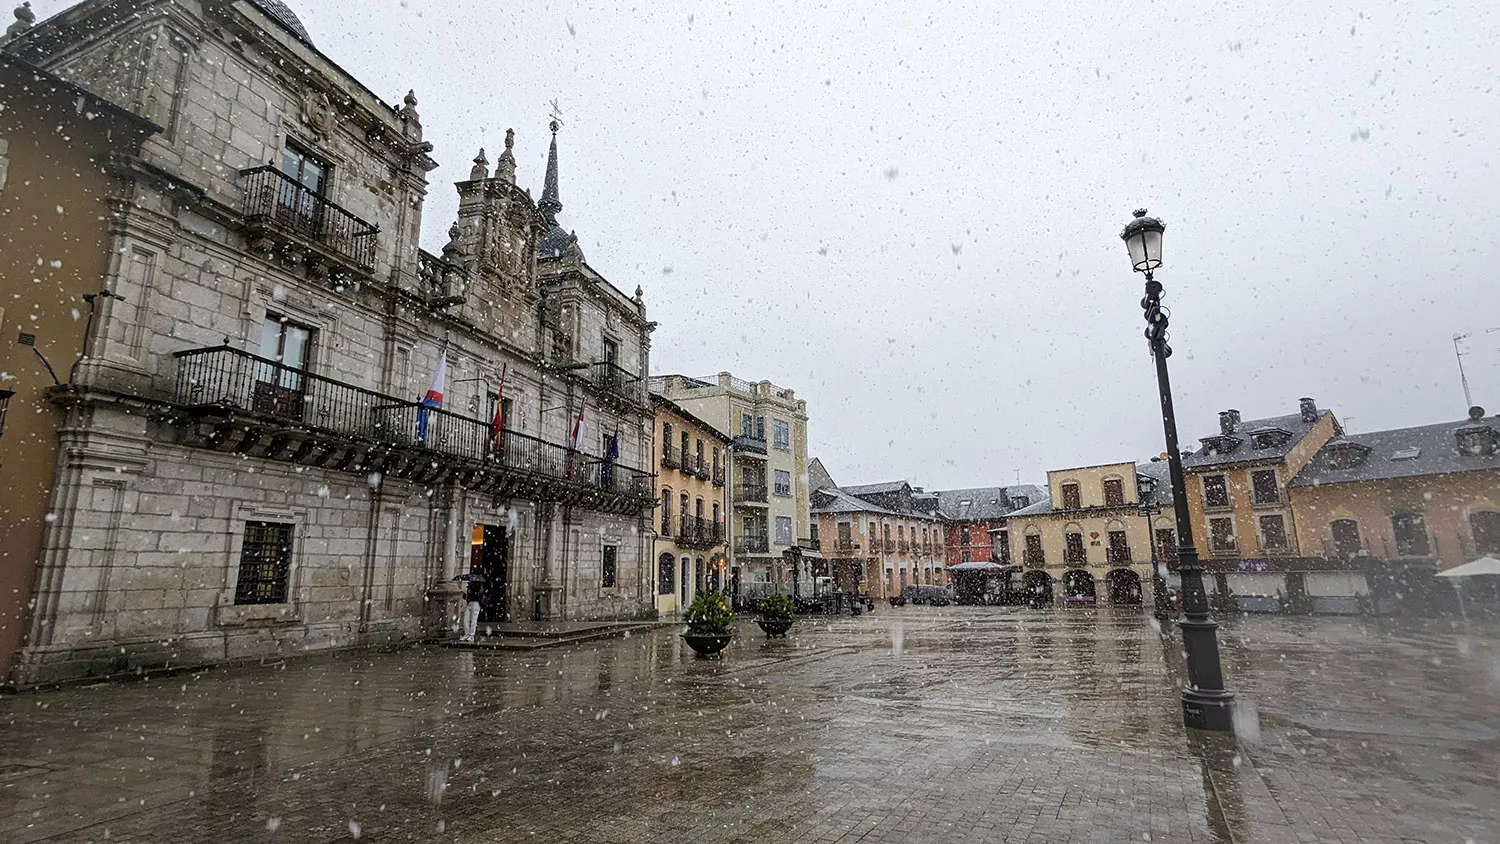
<point x="1227" y="421"/>
<point x="1309" y="411"/>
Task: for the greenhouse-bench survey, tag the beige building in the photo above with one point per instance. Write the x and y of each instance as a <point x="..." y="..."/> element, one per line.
<point x="692" y="470"/>
<point x="880" y="538"/>
<point x="769" y="527"/>
<point x="1097" y="537"/>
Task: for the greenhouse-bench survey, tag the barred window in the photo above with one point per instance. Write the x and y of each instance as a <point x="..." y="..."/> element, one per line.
<point x="265" y="564"/>
<point x="607" y="578"/>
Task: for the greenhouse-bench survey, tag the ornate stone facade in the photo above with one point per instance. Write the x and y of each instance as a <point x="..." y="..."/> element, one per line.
<point x="245" y="470"/>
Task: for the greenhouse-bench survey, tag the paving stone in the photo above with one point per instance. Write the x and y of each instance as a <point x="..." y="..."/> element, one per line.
<point x="981" y="725"/>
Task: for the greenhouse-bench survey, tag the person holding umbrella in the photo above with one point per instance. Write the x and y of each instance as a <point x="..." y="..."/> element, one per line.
<point x="473" y="593"/>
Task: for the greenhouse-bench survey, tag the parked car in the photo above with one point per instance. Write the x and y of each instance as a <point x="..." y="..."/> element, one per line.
<point x="926" y="594"/>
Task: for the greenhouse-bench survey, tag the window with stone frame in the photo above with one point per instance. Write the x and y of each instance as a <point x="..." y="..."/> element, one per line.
<point x="1166" y="543"/>
<point x="1264" y="488"/>
<point x="1119" y="548"/>
<point x="1484" y="528"/>
<point x="1410" y="530"/>
<point x="1114" y="492"/>
<point x="1000" y="550"/>
<point x="1035" y="555"/>
<point x="1215" y="491"/>
<point x="783" y="481"/>
<point x="1221" y="538"/>
<point x="781" y="433"/>
<point x="4" y="405"/>
<point x="1346" y="537"/>
<point x="1075" y="553"/>
<point x="1072" y="498"/>
<point x="666" y="512"/>
<point x="783" y="530"/>
<point x="608" y="566"/>
<point x="1273" y="535"/>
<point x="265" y="564"/>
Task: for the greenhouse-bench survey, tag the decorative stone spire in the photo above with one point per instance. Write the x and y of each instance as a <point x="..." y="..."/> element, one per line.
<point x="505" y="168"/>
<point x="551" y="202"/>
<point x="481" y="167"/>
<point x="410" y="111"/>
<point x="25" y="18"/>
<point x="453" y="251"/>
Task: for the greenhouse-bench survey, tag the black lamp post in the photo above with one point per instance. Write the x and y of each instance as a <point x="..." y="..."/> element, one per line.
<point x="1205" y="703"/>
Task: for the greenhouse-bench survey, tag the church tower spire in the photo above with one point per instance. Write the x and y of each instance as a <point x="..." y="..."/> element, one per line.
<point x="556" y="241"/>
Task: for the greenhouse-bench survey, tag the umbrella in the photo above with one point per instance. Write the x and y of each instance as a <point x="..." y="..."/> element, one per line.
<point x="1484" y="565"/>
<point x="976" y="566"/>
<point x="475" y="578"/>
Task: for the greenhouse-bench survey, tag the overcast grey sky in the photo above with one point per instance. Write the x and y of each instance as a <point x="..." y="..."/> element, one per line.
<point x="909" y="213"/>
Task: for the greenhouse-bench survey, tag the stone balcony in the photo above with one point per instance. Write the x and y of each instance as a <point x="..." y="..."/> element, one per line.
<point x="235" y="402"/>
<point x="285" y="218"/>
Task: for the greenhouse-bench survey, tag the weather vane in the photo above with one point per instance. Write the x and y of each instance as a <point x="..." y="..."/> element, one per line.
<point x="556" y="115"/>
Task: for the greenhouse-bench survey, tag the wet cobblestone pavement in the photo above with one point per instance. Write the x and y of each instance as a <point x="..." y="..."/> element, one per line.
<point x="912" y="724"/>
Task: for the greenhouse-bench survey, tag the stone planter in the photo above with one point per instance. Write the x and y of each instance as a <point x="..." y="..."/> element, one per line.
<point x="775" y="627"/>
<point x="707" y="644"/>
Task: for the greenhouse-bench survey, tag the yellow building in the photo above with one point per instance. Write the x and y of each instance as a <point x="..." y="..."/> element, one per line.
<point x="1095" y="539"/>
<point x="692" y="460"/>
<point x="1237" y="483"/>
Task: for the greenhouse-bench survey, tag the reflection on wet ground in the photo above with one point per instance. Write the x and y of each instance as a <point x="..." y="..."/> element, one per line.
<point x="912" y="724"/>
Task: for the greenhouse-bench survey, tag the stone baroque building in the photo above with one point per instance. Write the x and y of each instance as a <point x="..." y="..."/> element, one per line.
<point x="771" y="539"/>
<point x="693" y="467"/>
<point x="1096" y="536"/>
<point x="245" y="470"/>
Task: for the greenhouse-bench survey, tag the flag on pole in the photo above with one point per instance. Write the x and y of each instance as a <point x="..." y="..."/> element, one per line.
<point x="575" y="445"/>
<point x="498" y="423"/>
<point x="434" y="397"/>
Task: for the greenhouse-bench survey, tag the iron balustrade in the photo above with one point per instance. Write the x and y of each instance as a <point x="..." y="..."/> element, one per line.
<point x="610" y="377"/>
<point x="719" y="476"/>
<point x="890" y="546"/>
<point x="669" y="457"/>
<point x="1035" y="559"/>
<point x="747" y="444"/>
<point x="228" y="378"/>
<point x="752" y="543"/>
<point x="700" y="533"/>
<point x="750" y="493"/>
<point x="1118" y="556"/>
<point x="810" y="544"/>
<point x="280" y="203"/>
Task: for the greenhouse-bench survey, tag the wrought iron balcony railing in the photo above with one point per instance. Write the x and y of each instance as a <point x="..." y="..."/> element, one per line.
<point x="1035" y="559"/>
<point x="299" y="415"/>
<point x="890" y="546"/>
<point x="902" y="547"/>
<point x="670" y="458"/>
<point x="752" y="543"/>
<point x="845" y="545"/>
<point x="719" y="476"/>
<point x="810" y="544"/>
<point x="278" y="205"/>
<point x="750" y="494"/>
<point x="747" y="444"/>
<point x="700" y="533"/>
<point x="617" y="381"/>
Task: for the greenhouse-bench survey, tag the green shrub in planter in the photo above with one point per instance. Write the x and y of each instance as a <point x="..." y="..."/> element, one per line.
<point x="777" y="608"/>
<point x="939" y="601"/>
<point x="710" y="615"/>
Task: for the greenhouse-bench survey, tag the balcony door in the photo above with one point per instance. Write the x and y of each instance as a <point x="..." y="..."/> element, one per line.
<point x="489" y="558"/>
<point x="298" y="201"/>
<point x="279" y="386"/>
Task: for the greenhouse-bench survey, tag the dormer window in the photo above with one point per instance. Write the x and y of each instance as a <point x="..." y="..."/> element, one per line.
<point x="1215" y="446"/>
<point x="1347" y="455"/>
<point x="1264" y="438"/>
<point x="1019" y="501"/>
<point x="1477" y="440"/>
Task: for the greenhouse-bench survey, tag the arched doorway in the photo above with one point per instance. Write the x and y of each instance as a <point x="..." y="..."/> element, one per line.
<point x="1078" y="587"/>
<point x="666" y="574"/>
<point x="1124" y="587"/>
<point x="1037" y="585"/>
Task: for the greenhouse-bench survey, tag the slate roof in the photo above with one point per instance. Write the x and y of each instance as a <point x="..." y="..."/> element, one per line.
<point x="279" y="12"/>
<point x="840" y="501"/>
<point x="1245" y="452"/>
<point x="1436" y="454"/>
<point x="992" y="502"/>
<point x="875" y="489"/>
<point x="818" y="476"/>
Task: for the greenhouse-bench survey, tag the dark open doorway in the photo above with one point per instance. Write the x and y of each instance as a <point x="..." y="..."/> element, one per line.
<point x="489" y="559"/>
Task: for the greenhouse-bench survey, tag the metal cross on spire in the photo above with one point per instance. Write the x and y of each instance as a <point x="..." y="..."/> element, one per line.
<point x="556" y="114"/>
